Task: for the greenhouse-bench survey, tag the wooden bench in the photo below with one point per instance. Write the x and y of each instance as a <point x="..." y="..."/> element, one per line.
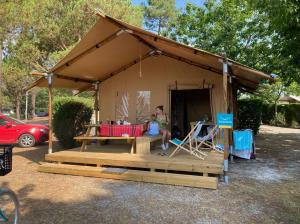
<point x="85" y="139"/>
<point x="143" y="143"/>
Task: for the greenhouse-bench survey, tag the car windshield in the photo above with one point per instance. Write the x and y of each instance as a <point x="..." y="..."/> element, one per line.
<point x="17" y="121"/>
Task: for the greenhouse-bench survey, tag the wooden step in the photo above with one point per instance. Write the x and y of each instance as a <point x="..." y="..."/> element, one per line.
<point x="138" y="161"/>
<point x="131" y="175"/>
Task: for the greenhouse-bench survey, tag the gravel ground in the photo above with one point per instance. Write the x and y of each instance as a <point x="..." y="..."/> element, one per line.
<point x="265" y="190"/>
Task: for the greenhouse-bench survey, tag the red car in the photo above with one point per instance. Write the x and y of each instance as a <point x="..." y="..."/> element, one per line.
<point x="26" y="135"/>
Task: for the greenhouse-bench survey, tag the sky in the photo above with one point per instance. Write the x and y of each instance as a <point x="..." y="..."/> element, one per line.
<point x="179" y="3"/>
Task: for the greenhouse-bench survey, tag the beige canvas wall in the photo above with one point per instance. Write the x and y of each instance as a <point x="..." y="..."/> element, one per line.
<point x="159" y="74"/>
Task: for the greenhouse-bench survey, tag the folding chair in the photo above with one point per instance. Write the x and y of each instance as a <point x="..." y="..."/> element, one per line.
<point x="208" y="140"/>
<point x="187" y="143"/>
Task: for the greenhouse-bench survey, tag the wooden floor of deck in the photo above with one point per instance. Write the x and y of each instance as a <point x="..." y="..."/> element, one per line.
<point x="116" y="162"/>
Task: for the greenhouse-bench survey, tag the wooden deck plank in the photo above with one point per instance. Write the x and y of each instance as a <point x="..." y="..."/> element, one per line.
<point x="133" y="175"/>
<point x="91" y="158"/>
<point x="215" y="159"/>
<point x="135" y="157"/>
<point x="213" y="166"/>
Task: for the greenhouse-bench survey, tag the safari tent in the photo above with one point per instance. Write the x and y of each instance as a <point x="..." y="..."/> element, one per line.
<point x="132" y="71"/>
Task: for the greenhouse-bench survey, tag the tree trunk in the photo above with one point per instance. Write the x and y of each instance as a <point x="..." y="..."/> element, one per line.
<point x="18" y="107"/>
<point x="33" y="99"/>
<point x="159" y="26"/>
<point x="275" y="112"/>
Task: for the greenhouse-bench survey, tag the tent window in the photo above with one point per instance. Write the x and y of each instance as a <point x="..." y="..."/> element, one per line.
<point x="122" y="104"/>
<point x="143" y="106"/>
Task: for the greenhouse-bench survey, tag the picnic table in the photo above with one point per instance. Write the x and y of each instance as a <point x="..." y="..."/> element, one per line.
<point x="88" y="137"/>
<point x="139" y="145"/>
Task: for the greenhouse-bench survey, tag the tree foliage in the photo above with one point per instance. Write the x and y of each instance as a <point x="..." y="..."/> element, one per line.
<point x="245" y="32"/>
<point x="159" y="15"/>
<point x="35" y="34"/>
<point x="284" y="19"/>
<point x="270" y="94"/>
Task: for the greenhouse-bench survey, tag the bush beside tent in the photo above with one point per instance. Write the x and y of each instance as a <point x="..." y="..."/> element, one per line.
<point x="249" y="114"/>
<point x="252" y="112"/>
<point x="69" y="119"/>
<point x="288" y="115"/>
<point x="60" y="100"/>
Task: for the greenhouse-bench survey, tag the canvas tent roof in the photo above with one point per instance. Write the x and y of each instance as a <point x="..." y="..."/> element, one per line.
<point x="290" y="98"/>
<point x="112" y="46"/>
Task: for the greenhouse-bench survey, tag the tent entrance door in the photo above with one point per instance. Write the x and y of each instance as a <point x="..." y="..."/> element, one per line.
<point x="188" y="106"/>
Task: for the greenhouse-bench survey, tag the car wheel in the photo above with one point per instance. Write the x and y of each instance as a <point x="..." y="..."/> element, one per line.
<point x="26" y="140"/>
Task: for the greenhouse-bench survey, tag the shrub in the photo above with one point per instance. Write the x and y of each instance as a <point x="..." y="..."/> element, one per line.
<point x="69" y="120"/>
<point x="268" y="113"/>
<point x="290" y="112"/>
<point x="59" y="101"/>
<point x="294" y="124"/>
<point x="278" y="120"/>
<point x="249" y="114"/>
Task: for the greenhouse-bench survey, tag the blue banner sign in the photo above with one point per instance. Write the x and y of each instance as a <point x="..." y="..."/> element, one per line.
<point x="225" y="120"/>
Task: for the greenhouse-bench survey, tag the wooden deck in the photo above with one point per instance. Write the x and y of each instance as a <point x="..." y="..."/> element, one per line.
<point x="116" y="162"/>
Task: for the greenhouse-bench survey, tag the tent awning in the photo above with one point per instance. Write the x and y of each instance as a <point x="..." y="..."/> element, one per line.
<point x="112" y="46"/>
<point x="62" y="82"/>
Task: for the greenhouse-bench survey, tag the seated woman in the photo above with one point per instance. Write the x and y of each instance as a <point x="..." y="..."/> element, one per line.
<point x="163" y="121"/>
<point x="153" y="127"/>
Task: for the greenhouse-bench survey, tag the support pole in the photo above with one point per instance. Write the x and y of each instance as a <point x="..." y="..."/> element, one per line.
<point x="26" y="105"/>
<point x="50" y="81"/>
<point x="231" y="110"/>
<point x="96" y="104"/>
<point x="225" y="110"/>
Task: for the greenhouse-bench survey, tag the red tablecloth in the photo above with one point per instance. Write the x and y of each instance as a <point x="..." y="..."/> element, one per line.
<point x="133" y="130"/>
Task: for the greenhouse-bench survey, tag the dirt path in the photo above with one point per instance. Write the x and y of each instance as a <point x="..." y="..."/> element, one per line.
<point x="265" y="190"/>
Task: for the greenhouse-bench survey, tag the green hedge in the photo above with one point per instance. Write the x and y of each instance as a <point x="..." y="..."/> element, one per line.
<point x="268" y="113"/>
<point x="290" y="113"/>
<point x="69" y="117"/>
<point x="252" y="112"/>
<point x="59" y="101"/>
<point x="249" y="114"/>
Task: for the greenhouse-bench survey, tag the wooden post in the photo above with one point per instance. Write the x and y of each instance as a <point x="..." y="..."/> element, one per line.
<point x="234" y="105"/>
<point x="231" y="110"/>
<point x="50" y="81"/>
<point x="225" y="105"/>
<point x="225" y="110"/>
<point x="49" y="77"/>
<point x="96" y="105"/>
